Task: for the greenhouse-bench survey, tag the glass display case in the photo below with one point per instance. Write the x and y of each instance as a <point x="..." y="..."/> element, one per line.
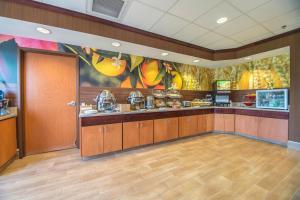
<point x="272" y="99"/>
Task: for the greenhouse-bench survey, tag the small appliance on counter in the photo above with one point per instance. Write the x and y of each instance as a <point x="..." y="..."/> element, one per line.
<point x="186" y="103"/>
<point x="201" y="102"/>
<point x="3" y="104"/>
<point x="159" y="98"/>
<point x="221" y="93"/>
<point x="106" y="101"/>
<point x="136" y="100"/>
<point x="272" y="99"/>
<point x="173" y="98"/>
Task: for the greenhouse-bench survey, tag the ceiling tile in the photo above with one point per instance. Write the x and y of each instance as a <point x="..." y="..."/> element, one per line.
<point x="141" y="16"/>
<point x="207" y="39"/>
<point x="163" y="5"/>
<point x="169" y="25"/>
<point x="247" y="5"/>
<point x="236" y="25"/>
<point x="257" y="38"/>
<point x="253" y="32"/>
<point x="191" y="9"/>
<point x="224" y="43"/>
<point x="288" y="19"/>
<point x="288" y="28"/>
<point x="209" y="20"/>
<point x="189" y="33"/>
<point x="273" y="9"/>
<point x="79" y="6"/>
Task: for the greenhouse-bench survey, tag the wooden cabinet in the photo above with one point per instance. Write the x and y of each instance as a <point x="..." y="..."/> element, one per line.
<point x="228" y="122"/>
<point x="137" y="133"/>
<point x="92" y="140"/>
<point x="246" y="125"/>
<point x="201" y="123"/>
<point x="273" y="129"/>
<point x="188" y="125"/>
<point x="165" y="129"/>
<point x="219" y="122"/>
<point x="101" y="139"/>
<point x="146" y="132"/>
<point x="112" y="137"/>
<point x="210" y="121"/>
<point x="8" y="140"/>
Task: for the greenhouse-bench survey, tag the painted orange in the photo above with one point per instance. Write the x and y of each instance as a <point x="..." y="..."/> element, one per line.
<point x="91" y="140"/>
<point x="112" y="137"/>
<point x="49" y="84"/>
<point x="8" y="140"/>
<point x="150" y="71"/>
<point x="273" y="129"/>
<point x="246" y="124"/>
<point x="108" y="66"/>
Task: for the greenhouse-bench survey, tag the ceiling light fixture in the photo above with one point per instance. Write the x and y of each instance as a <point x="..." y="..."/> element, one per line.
<point x="222" y="20"/>
<point x="164" y="54"/>
<point x="196" y="61"/>
<point x="116" y="44"/>
<point x="43" y="30"/>
<point x="248" y="58"/>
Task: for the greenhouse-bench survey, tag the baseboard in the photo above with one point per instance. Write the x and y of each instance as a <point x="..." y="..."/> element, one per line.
<point x="4" y="166"/>
<point x="294" y="145"/>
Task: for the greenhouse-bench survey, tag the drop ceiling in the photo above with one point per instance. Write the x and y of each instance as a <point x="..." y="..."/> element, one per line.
<point x="194" y="21"/>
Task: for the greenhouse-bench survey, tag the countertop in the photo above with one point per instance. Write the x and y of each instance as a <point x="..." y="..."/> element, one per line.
<point x="83" y="115"/>
<point x="13" y="112"/>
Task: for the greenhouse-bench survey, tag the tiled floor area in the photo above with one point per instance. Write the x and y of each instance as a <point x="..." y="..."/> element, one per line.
<point x="207" y="167"/>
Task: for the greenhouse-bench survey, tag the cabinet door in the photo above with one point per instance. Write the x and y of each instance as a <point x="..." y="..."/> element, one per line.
<point x="219" y="122"/>
<point x="146" y="132"/>
<point x="228" y="122"/>
<point x="91" y="140"/>
<point x="273" y="129"/>
<point x="112" y="137"/>
<point x="210" y="121"/>
<point x="246" y="125"/>
<point x="160" y="130"/>
<point x="131" y="135"/>
<point x="188" y="125"/>
<point x="201" y="123"/>
<point x="172" y="128"/>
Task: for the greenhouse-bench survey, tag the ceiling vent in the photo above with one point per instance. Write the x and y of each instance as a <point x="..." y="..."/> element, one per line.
<point x="107" y="9"/>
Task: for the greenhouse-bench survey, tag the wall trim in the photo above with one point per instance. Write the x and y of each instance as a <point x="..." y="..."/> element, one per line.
<point x="293" y="145"/>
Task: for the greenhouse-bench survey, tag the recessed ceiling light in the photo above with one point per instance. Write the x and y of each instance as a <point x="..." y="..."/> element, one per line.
<point x="284" y="26"/>
<point x="196" y="61"/>
<point x="115" y="44"/>
<point x="248" y="58"/>
<point x="164" y="54"/>
<point x="222" y="20"/>
<point x="43" y="30"/>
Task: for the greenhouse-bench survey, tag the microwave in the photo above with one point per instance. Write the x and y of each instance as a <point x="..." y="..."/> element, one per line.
<point x="272" y="99"/>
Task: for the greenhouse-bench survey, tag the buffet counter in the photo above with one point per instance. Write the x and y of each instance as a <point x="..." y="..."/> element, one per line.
<point x="110" y="132"/>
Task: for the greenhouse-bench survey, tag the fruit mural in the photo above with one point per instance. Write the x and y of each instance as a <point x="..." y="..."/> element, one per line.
<point x="101" y="68"/>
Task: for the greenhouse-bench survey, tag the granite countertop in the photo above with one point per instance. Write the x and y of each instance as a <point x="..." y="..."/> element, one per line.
<point x="13" y="112"/>
<point x="82" y="115"/>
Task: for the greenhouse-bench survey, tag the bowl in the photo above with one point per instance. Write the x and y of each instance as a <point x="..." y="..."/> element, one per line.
<point x="248" y="103"/>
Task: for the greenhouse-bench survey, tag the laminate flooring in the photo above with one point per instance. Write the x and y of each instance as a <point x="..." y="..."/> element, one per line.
<point x="213" y="166"/>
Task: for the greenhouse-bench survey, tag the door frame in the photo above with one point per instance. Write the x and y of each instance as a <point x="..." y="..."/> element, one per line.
<point x="20" y="97"/>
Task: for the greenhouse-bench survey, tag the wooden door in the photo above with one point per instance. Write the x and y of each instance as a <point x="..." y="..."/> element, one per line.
<point x="160" y="130"/>
<point x="201" y="124"/>
<point x="91" y="140"/>
<point x="210" y="121"/>
<point x="273" y="129"/>
<point x="172" y="128"/>
<point x="188" y="125"/>
<point x="219" y="122"/>
<point x="49" y="84"/>
<point x="112" y="137"/>
<point x="131" y="135"/>
<point x="229" y="123"/>
<point x="146" y="132"/>
<point x="246" y="125"/>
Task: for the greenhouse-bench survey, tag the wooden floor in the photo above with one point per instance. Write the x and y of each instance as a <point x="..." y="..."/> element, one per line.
<point x="207" y="167"/>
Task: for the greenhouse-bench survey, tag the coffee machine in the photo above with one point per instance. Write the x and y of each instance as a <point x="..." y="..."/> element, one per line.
<point x="221" y="93"/>
<point x="3" y="104"/>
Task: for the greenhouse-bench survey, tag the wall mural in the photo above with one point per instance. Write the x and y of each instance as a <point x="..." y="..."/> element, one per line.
<point x="101" y="68"/>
